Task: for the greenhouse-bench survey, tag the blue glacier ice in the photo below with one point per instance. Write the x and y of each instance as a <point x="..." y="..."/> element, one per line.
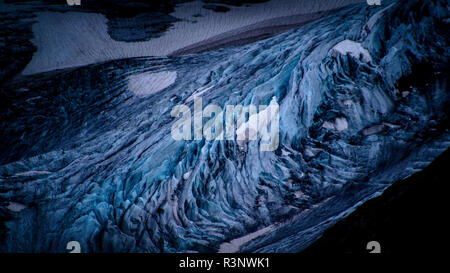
<point x="363" y="102"/>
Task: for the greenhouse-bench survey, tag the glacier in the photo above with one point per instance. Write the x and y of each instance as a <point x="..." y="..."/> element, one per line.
<point x="84" y="159"/>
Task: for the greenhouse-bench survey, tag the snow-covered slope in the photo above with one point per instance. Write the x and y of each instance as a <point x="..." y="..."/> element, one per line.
<point x="90" y="161"/>
<point x="70" y="39"/>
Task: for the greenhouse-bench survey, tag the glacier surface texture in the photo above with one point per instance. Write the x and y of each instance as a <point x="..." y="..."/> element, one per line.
<point x="363" y="103"/>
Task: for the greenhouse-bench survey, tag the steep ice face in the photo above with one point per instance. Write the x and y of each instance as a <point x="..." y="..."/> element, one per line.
<point x="112" y="177"/>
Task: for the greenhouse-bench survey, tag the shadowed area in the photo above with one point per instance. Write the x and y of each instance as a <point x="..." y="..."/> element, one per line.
<point x="406" y="218"/>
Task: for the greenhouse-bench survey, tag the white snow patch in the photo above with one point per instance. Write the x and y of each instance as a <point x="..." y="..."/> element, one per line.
<point x="186" y="175"/>
<point x="354" y="49"/>
<point x="236" y="244"/>
<point x="328" y="125"/>
<point x="309" y="152"/>
<point x="347" y="103"/>
<point x="374" y="129"/>
<point x="390" y="125"/>
<point x="16" y="207"/>
<point x="299" y="194"/>
<point x="340" y="124"/>
<point x="31" y="173"/>
<point x="148" y="83"/>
